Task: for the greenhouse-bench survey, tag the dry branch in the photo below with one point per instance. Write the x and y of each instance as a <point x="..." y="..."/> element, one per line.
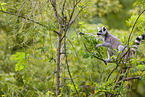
<point x="130" y="78"/>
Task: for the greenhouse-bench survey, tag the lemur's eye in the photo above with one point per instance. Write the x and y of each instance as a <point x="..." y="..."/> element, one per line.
<point x="104" y="28"/>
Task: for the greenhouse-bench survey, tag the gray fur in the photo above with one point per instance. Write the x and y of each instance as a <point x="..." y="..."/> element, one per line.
<point x="109" y="41"/>
<point x="112" y="42"/>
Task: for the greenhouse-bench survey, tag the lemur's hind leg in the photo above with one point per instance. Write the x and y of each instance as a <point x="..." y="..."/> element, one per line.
<point x="109" y="54"/>
<point x="120" y="48"/>
<point x="104" y="44"/>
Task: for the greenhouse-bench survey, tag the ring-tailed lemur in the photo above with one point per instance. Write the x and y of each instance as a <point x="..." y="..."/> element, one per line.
<point x="112" y="42"/>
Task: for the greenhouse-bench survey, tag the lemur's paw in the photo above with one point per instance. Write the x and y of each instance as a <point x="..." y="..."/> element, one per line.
<point x="107" y="60"/>
<point x="98" y="45"/>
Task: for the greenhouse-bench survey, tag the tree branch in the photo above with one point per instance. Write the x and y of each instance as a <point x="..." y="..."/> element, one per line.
<point x="111" y="72"/>
<point x="50" y="75"/>
<point x="130" y="78"/>
<point x="53" y="3"/>
<point x="117" y="63"/>
<point x="63" y="5"/>
<point x="71" y="78"/>
<point x="94" y="54"/>
<point x="31" y="21"/>
<point x="66" y="61"/>
<point x="73" y="10"/>
<point x="47" y="69"/>
<point x="22" y="90"/>
<point x="71" y="21"/>
<point x="134" y="25"/>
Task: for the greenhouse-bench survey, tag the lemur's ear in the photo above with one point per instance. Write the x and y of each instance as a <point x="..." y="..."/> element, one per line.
<point x="104" y="29"/>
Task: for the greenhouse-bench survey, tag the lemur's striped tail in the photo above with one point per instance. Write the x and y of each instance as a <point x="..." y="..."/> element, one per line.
<point x="139" y="39"/>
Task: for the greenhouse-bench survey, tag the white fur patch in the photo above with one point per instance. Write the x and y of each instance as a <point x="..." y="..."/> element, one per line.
<point x="136" y="41"/>
<point x="140" y="37"/>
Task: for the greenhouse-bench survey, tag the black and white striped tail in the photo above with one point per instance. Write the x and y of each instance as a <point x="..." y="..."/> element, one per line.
<point x="139" y="39"/>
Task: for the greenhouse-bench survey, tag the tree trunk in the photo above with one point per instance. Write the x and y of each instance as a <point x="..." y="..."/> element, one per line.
<point x="58" y="63"/>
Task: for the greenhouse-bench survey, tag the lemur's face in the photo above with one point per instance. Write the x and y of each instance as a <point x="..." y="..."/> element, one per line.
<point x="102" y="31"/>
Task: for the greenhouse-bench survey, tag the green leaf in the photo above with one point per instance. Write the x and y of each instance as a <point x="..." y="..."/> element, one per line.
<point x="20" y="58"/>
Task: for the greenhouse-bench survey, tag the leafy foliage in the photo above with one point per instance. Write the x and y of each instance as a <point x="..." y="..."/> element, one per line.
<point x="29" y="44"/>
<point x="21" y="59"/>
<point x="2" y="6"/>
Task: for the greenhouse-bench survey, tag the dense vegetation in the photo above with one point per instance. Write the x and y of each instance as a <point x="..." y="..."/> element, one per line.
<point x="43" y="55"/>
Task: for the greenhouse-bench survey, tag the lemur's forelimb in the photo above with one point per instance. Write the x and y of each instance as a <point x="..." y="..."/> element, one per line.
<point x="81" y="33"/>
<point x="112" y="42"/>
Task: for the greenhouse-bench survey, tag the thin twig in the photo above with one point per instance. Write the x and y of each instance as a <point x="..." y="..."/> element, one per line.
<point x="30" y="20"/>
<point x="50" y="75"/>
<point x="21" y="7"/>
<point x="46" y="68"/>
<point x="134" y="25"/>
<point x="21" y="90"/>
<point x="130" y="78"/>
<point x="66" y="61"/>
<point x="74" y="49"/>
<point x="57" y="16"/>
<point x="63" y="5"/>
<point x="71" y="21"/>
<point x="73" y="10"/>
<point x="117" y="62"/>
<point x="71" y="78"/>
<point x="94" y="54"/>
<point x="37" y="90"/>
<point x="112" y="72"/>
<point x="129" y="89"/>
